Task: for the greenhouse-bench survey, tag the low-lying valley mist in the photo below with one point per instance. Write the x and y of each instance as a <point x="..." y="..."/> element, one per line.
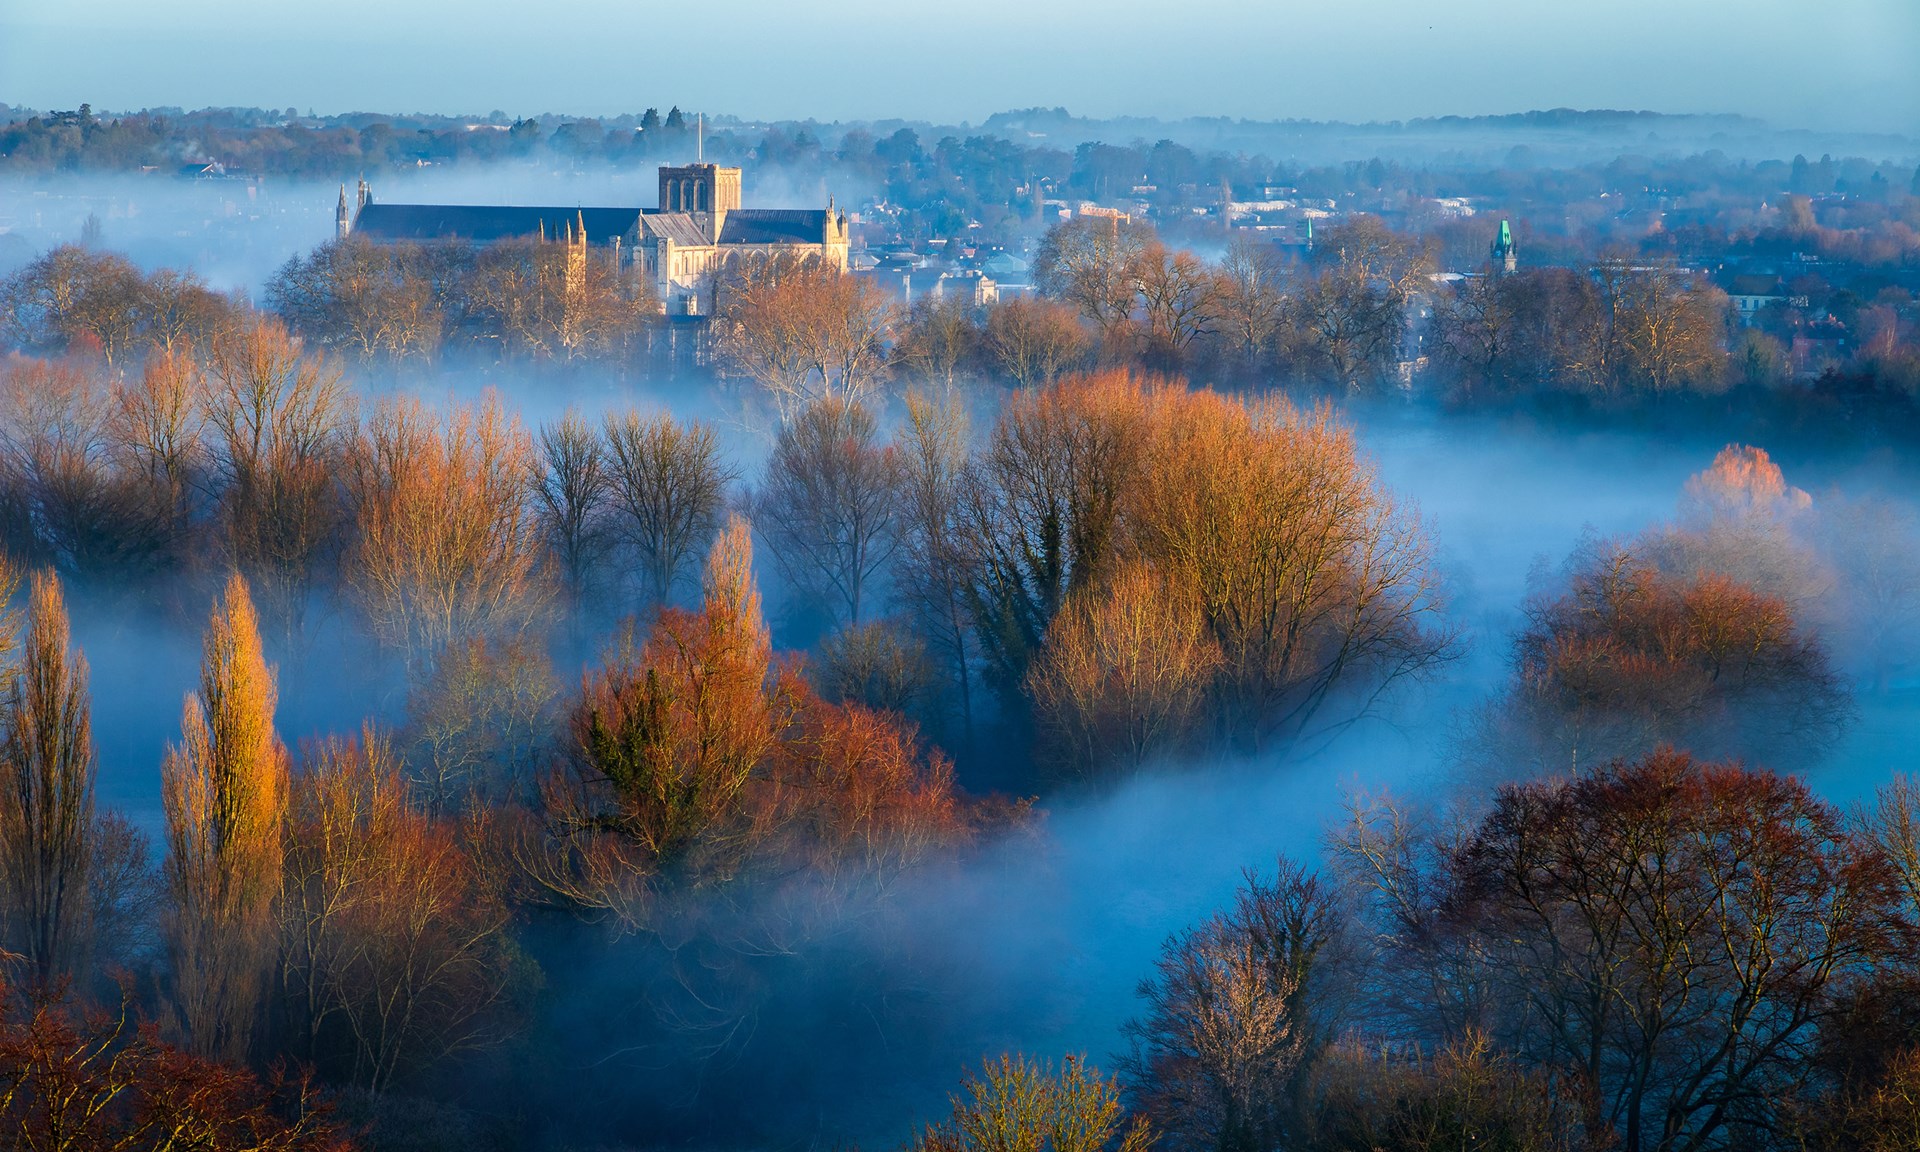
<point x="964" y="639"/>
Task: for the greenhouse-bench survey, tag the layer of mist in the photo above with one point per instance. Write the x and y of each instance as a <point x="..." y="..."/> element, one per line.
<point x="1037" y="943"/>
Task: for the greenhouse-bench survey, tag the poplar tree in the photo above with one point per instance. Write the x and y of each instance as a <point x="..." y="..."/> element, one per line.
<point x="46" y="788"/>
<point x="224" y="790"/>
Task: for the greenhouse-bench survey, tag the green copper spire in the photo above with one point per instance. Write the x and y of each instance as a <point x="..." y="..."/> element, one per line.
<point x="1505" y="254"/>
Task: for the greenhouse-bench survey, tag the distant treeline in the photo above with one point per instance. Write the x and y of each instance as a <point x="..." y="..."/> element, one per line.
<point x="993" y="186"/>
<point x="1361" y="312"/>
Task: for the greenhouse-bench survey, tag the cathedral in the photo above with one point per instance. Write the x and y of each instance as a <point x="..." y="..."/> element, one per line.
<point x="698" y="226"/>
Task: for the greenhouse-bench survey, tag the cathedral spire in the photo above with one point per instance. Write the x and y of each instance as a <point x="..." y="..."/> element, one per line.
<point x="1505" y="253"/>
<point x="342" y="222"/>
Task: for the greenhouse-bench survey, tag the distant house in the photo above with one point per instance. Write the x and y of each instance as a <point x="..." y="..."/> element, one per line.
<point x="698" y="226"/>
<point x="972" y="287"/>
<point x="913" y="283"/>
<point x="1005" y="267"/>
<point x="1752" y="292"/>
<point x="201" y="170"/>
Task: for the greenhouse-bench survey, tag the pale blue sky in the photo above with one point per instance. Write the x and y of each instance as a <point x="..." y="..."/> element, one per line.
<point x="1840" y="64"/>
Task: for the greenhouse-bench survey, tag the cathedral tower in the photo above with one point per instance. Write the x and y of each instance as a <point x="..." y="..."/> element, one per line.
<point x="704" y="188"/>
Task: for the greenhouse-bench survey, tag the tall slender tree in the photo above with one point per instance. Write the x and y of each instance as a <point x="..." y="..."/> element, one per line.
<point x="224" y="790"/>
<point x="46" y="789"/>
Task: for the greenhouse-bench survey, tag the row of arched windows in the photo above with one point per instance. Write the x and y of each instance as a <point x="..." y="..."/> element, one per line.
<point x="689" y="195"/>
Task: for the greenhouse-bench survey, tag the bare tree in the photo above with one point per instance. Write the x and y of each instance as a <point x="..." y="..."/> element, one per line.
<point x="877" y="665"/>
<point x="73" y="293"/>
<point x="1624" y="659"/>
<point x="1232" y="1020"/>
<point x="158" y="447"/>
<point x="1124" y="672"/>
<point x="1093" y="264"/>
<point x="362" y="298"/>
<point x="1041" y="510"/>
<point x="279" y="419"/>
<point x="54" y="429"/>
<point x="1354" y="311"/>
<point x="508" y="293"/>
<point x="1250" y="300"/>
<point x="477" y="724"/>
<point x="1672" y="331"/>
<point x="829" y="503"/>
<point x="1671" y="935"/>
<point x="1474" y="330"/>
<point x="393" y="935"/>
<point x="1035" y="341"/>
<point x="1644" y="329"/>
<point x="1311" y="578"/>
<point x="446" y="550"/>
<point x="933" y="575"/>
<point x="940" y="338"/>
<point x="1466" y="1094"/>
<point x="1018" y="1105"/>
<point x="1179" y="302"/>
<point x="571" y="486"/>
<point x="183" y="313"/>
<point x="801" y="328"/>
<point x="668" y="489"/>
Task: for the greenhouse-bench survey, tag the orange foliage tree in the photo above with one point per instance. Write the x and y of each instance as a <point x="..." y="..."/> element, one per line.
<point x="224" y="791"/>
<point x="1311" y="577"/>
<point x="1628" y="658"/>
<point x="394" y="949"/>
<point x="1309" y="580"/>
<point x="696" y="761"/>
<point x="75" y="1078"/>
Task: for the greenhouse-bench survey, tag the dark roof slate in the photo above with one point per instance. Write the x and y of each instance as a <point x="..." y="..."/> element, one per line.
<point x="774" y="226"/>
<point x="485" y="224"/>
<point x="1754" y="284"/>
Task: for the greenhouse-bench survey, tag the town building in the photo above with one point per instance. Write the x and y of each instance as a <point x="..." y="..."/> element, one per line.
<point x="1752" y="292"/>
<point x="697" y="227"/>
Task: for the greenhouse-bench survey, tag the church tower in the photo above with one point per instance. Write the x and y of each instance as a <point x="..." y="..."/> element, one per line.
<point x="342" y="222"/>
<point x="707" y="189"/>
<point x="1506" y="256"/>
